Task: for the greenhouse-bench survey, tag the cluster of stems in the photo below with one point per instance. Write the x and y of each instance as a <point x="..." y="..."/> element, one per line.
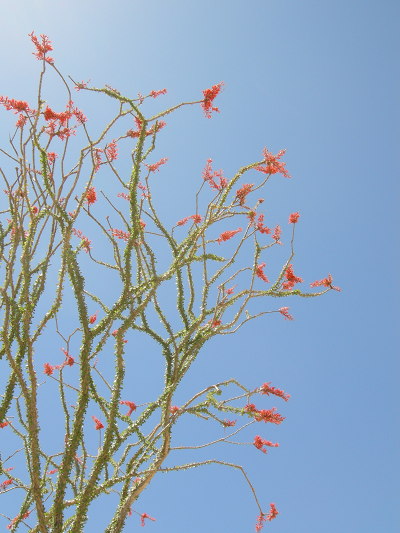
<point x="66" y="191"/>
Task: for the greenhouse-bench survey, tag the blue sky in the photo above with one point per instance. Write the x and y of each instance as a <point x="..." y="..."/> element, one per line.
<point x="320" y="79"/>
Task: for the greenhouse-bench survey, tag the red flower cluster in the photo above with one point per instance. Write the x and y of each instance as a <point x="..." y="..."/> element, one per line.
<point x="19" y="106"/>
<point x="154" y="94"/>
<point x="242" y="193"/>
<point x="226" y="235"/>
<point x="230" y="291"/>
<point x="284" y="311"/>
<point x="156" y="166"/>
<point x="51" y="157"/>
<point x="196" y="219"/>
<point x="267" y="389"/>
<point x="209" y="174"/>
<point x="84" y="240"/>
<point x="273" y="513"/>
<point x="228" y="423"/>
<point x="58" y="122"/>
<point x="123" y="235"/>
<point x="97" y="423"/>
<point x="4" y="424"/>
<point x="19" y="517"/>
<point x="260" y="272"/>
<point x="259" y="443"/>
<point x="264" y="415"/>
<point x="42" y="47"/>
<point x="124" y="196"/>
<point x="209" y="97"/>
<point x="143" y="516"/>
<point x="111" y="151"/>
<point x="154" y="129"/>
<point x="132" y="406"/>
<point x="291" y="279"/>
<point x="293" y="218"/>
<point x="277" y="235"/>
<point x="115" y="333"/>
<point x="91" y="196"/>
<point x="326" y="282"/>
<point x="272" y="165"/>
<point x="260" y="225"/>
<point x="69" y="361"/>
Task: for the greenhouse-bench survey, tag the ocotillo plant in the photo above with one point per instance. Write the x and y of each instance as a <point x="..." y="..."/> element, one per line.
<point x="66" y="236"/>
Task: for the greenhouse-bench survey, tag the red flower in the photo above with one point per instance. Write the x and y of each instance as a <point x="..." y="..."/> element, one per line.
<point x="209" y="97"/>
<point x="293" y="218"/>
<point x="260" y="226"/>
<point x="215" y="323"/>
<point x="143" y="516"/>
<point x="81" y="85"/>
<point x="156" y="166"/>
<point x="70" y="361"/>
<point x="18" y="106"/>
<point x="115" y="332"/>
<point x="4" y="424"/>
<point x="35" y="210"/>
<point x="230" y="291"/>
<point x="269" y="415"/>
<point x="84" y="240"/>
<point x="124" y="196"/>
<point x="273" y="513"/>
<point x="229" y="423"/>
<point x="93" y="318"/>
<point x="98" y="424"/>
<point x="91" y="196"/>
<point x="21" y="121"/>
<point x="50" y="472"/>
<point x="209" y="174"/>
<point x="265" y="415"/>
<point x="6" y="483"/>
<point x="326" y="282"/>
<point x="272" y="165"/>
<point x="62" y="117"/>
<point x="291" y="278"/>
<point x="42" y="48"/>
<point x="284" y="311"/>
<point x="19" y="517"/>
<point x="131" y="405"/>
<point x="48" y="369"/>
<point x="111" y="151"/>
<point x="123" y="235"/>
<point x="228" y="235"/>
<point x="267" y="389"/>
<point x="277" y="234"/>
<point x="174" y="409"/>
<point x="154" y="94"/>
<point x="196" y="219"/>
<point x="259" y="443"/>
<point x="242" y="193"/>
<point x="51" y="157"/>
<point x="97" y="158"/>
<point x="250" y="408"/>
<point x="260" y="272"/>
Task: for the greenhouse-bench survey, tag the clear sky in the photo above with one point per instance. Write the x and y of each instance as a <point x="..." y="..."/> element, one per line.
<point x="320" y="79"/>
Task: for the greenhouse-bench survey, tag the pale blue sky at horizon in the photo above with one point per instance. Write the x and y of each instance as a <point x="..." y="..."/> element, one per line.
<point x="320" y="79"/>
